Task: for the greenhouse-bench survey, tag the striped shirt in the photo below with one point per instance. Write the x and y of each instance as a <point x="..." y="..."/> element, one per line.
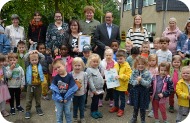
<point x="164" y="56"/>
<point x="137" y="37"/>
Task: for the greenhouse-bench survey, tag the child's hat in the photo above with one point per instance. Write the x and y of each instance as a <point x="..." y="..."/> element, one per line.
<point x="87" y="47"/>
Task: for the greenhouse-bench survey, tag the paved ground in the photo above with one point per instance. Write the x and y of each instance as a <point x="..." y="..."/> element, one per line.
<point x="48" y="108"/>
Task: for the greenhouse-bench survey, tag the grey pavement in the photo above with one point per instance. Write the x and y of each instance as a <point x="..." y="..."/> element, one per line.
<point x="48" y="108"/>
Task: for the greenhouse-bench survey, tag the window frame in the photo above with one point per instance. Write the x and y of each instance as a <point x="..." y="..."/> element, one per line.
<point x="128" y="3"/>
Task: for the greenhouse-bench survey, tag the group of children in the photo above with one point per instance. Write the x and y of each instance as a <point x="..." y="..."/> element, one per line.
<point x="147" y="76"/>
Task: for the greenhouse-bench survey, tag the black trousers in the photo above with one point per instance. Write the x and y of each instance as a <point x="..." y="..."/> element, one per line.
<point x="109" y="94"/>
<point x="14" y="92"/>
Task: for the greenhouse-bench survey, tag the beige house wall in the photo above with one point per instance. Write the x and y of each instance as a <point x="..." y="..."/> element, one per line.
<point x="150" y="15"/>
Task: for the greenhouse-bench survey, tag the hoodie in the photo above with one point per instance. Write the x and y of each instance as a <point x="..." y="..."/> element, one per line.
<point x="174" y="37"/>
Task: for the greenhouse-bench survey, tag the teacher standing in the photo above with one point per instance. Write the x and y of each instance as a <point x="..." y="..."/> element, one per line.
<point x="37" y="30"/>
<point x="105" y="33"/>
<point x="55" y="31"/>
<point x="137" y="34"/>
<point x="15" y="33"/>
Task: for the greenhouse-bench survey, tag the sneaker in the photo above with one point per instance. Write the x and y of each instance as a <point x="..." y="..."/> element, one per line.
<point x="143" y="121"/>
<point x="111" y="103"/>
<point x="75" y="120"/>
<point x="114" y="109"/>
<point x="12" y="111"/>
<point x="87" y="106"/>
<point x="157" y="121"/>
<point x="166" y="121"/>
<point x="83" y="120"/>
<point x="171" y="109"/>
<point x="100" y="103"/>
<point x="106" y="98"/>
<point x="4" y="113"/>
<point x="177" y="121"/>
<point x="120" y="113"/>
<point x="151" y="114"/>
<point x="98" y="114"/>
<point x="27" y="115"/>
<point x="128" y="102"/>
<point x="19" y="108"/>
<point x="40" y="112"/>
<point x="45" y="97"/>
<point x="147" y="110"/>
<point x="133" y="120"/>
<point x="94" y="115"/>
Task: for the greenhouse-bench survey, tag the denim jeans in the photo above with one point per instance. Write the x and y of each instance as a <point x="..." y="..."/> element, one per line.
<point x="78" y="102"/>
<point x="33" y="46"/>
<point x="120" y="94"/>
<point x="63" y="107"/>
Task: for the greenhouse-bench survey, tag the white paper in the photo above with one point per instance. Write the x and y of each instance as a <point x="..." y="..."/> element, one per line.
<point x="82" y="41"/>
<point x="110" y="77"/>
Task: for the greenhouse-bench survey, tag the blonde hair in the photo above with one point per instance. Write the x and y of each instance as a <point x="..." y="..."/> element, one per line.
<point x="78" y="60"/>
<point x="177" y="57"/>
<point x="184" y="68"/>
<point x="156" y="40"/>
<point x="140" y="58"/>
<point x="108" y="51"/>
<point x="33" y="55"/>
<point x="164" y="64"/>
<point x="153" y="56"/>
<point x="91" y="57"/>
<point x="173" y="19"/>
<point x="129" y="42"/>
<point x="141" y="26"/>
<point x="57" y="50"/>
<point x="58" y="60"/>
<point x="12" y="55"/>
<point x="186" y="31"/>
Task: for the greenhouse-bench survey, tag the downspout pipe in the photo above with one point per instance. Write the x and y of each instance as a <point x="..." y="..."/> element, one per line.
<point x="165" y="15"/>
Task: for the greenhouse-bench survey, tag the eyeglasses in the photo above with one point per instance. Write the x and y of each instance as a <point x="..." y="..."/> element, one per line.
<point x="73" y="25"/>
<point x="58" y="16"/>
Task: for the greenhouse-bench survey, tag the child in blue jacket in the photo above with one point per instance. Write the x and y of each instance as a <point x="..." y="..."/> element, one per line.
<point x="63" y="87"/>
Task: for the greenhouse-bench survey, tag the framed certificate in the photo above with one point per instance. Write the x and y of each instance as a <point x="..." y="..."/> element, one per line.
<point x="82" y="40"/>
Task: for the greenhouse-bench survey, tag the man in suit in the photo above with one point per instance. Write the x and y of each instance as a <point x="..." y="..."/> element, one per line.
<point x="105" y="33"/>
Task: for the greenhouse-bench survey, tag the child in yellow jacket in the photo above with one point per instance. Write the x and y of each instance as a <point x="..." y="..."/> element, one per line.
<point x="124" y="73"/>
<point x="183" y="92"/>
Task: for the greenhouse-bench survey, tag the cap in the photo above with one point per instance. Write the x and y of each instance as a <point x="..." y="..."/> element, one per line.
<point x="87" y="47"/>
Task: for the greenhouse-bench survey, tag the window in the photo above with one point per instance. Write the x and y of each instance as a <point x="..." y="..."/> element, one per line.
<point x="150" y="28"/>
<point x="137" y="2"/>
<point x="148" y="2"/>
<point x="128" y="5"/>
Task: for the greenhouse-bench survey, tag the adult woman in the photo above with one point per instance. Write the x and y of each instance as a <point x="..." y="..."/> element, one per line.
<point x="137" y="34"/>
<point x="183" y="45"/>
<point x="173" y="33"/>
<point x="36" y="30"/>
<point x="55" y="31"/>
<point x="71" y="38"/>
<point x="15" y="33"/>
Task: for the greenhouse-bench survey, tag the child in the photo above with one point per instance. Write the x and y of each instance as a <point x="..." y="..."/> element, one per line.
<point x="80" y="78"/>
<point x="145" y="49"/>
<point x="115" y="47"/>
<point x="34" y="76"/>
<point x="107" y="63"/>
<point x="134" y="53"/>
<point x="21" y="51"/>
<point x="96" y="83"/>
<point x="164" y="55"/>
<point x="128" y="47"/>
<point x="4" y="92"/>
<point x="5" y="46"/>
<point x="160" y="89"/>
<point x="183" y="92"/>
<point x="63" y="88"/>
<point x="156" y="46"/>
<point x="16" y="81"/>
<point x="175" y="76"/>
<point x="124" y="73"/>
<point x="139" y="94"/>
<point x="87" y="51"/>
<point x="56" y="56"/>
<point x="48" y="60"/>
<point x="153" y="68"/>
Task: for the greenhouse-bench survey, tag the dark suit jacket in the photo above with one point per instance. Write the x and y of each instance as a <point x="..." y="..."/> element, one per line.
<point x="101" y="37"/>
